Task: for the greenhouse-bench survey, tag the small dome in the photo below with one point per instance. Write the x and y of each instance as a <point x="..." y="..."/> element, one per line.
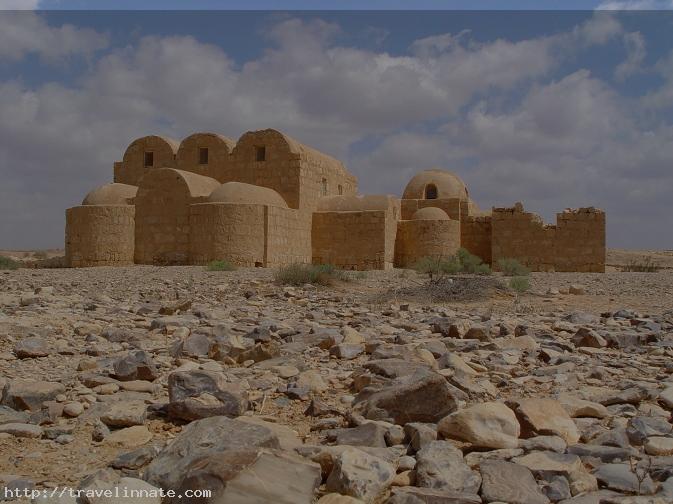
<point x="111" y="194"/>
<point x="238" y="192"/>
<point x="435" y="184"/>
<point x="430" y="213"/>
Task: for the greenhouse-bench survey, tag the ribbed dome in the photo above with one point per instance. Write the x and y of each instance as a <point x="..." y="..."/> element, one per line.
<point x="435" y="184"/>
<point x="238" y="192"/>
<point x="111" y="194"/>
<point x="430" y="213"/>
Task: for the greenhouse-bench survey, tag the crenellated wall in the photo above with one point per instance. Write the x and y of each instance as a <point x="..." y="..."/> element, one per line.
<point x="576" y="243"/>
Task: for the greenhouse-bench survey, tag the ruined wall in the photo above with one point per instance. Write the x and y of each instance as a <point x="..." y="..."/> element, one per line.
<point x="576" y="243"/>
<point x="452" y="207"/>
<point x="580" y="240"/>
<point x="231" y="232"/>
<point x="133" y="166"/>
<point x="100" y="235"/>
<point x="218" y="150"/>
<point x="353" y="240"/>
<point x="162" y="214"/>
<point x="288" y="236"/>
<point x="475" y="236"/>
<point x="425" y="238"/>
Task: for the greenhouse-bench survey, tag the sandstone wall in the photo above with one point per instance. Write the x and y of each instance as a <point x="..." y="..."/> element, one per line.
<point x="425" y="238"/>
<point x="101" y="235"/>
<point x="475" y="236"/>
<point x="162" y="214"/>
<point x="188" y="157"/>
<point x="288" y="236"/>
<point x="576" y="243"/>
<point x="232" y="232"/>
<point x="452" y="207"/>
<point x="353" y="240"/>
<point x="132" y="168"/>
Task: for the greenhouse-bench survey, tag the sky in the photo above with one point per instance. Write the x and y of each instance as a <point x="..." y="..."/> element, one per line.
<point x="554" y="108"/>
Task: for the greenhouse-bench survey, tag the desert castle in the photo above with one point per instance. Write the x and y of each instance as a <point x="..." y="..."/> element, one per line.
<point x="267" y="200"/>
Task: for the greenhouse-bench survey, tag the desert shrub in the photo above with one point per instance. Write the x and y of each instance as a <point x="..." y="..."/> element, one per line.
<point x="513" y="268"/>
<point x="519" y="284"/>
<point x="8" y="264"/>
<point x="318" y="274"/>
<point x="40" y="254"/>
<point x="646" y="266"/>
<point x="470" y="263"/>
<point x="220" y="266"/>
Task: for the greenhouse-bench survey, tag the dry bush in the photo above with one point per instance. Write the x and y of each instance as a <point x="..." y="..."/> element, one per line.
<point x="220" y="266"/>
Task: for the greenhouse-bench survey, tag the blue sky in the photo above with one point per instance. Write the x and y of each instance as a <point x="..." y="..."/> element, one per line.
<point x="552" y="108"/>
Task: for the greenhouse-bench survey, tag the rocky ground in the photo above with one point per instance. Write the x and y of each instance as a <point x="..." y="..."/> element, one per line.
<point x="364" y="391"/>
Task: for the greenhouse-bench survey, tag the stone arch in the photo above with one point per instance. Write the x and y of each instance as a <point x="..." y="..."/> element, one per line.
<point x="430" y="191"/>
<point x="162" y="214"/>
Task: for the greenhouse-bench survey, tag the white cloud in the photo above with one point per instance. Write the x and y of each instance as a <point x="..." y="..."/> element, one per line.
<point x="636" y="5"/>
<point x="635" y="56"/>
<point x="24" y="33"/>
<point x="528" y="139"/>
<point x="19" y="4"/>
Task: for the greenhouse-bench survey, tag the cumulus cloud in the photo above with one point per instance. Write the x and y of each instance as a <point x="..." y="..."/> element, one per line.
<point x="23" y="33"/>
<point x="19" y="4"/>
<point x="493" y="111"/>
<point x="636" y="5"/>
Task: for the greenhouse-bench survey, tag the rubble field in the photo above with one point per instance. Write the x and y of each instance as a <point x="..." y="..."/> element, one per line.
<point x="381" y="389"/>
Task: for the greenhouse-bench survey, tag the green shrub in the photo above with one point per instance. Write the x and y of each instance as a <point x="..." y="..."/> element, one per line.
<point x="513" y="268"/>
<point x="220" y="266"/>
<point x="471" y="263"/>
<point x="519" y="284"/>
<point x="318" y="274"/>
<point x="8" y="264"/>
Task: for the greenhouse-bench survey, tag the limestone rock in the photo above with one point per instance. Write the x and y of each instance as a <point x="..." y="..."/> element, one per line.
<point x="509" y="482"/>
<point x="440" y="465"/>
<point x="198" y="394"/>
<point x="360" y="475"/>
<point x="415" y="495"/>
<point x="125" y="414"/>
<point x="29" y="394"/>
<point x="622" y="478"/>
<point x="203" y="438"/>
<point x="31" y="347"/>
<point x="130" y="437"/>
<point x="422" y="397"/>
<point x="22" y="430"/>
<point x="485" y="425"/>
<point x="137" y="365"/>
<point x="545" y="416"/>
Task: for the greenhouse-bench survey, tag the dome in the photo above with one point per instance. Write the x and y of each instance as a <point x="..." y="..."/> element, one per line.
<point x="111" y="194"/>
<point x="238" y="192"/>
<point x="430" y="213"/>
<point x="435" y="184"/>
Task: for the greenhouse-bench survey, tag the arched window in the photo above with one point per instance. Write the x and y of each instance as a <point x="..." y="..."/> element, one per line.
<point x="323" y="188"/>
<point x="431" y="191"/>
<point x="341" y="189"/>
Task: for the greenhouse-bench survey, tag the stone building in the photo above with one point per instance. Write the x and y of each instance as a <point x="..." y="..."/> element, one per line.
<point x="267" y="200"/>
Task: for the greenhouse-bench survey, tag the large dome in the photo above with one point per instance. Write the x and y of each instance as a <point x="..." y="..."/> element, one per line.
<point x="435" y="184"/>
<point x="111" y="194"/>
<point x="238" y="192"/>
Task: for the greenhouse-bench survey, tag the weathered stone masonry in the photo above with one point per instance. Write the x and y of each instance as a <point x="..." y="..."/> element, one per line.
<point x="267" y="200"/>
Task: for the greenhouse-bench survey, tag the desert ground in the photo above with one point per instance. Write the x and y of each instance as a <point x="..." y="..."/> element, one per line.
<point x="379" y="388"/>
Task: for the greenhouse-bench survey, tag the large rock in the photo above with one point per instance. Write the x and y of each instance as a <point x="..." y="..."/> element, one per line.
<point x="508" y="482"/>
<point x="137" y="365"/>
<point x="124" y="414"/>
<point x="440" y="465"/>
<point x="251" y="476"/>
<point x="623" y="478"/>
<point x="203" y="438"/>
<point x="199" y="394"/>
<point x="545" y="417"/>
<point x="424" y="396"/>
<point x="486" y="425"/>
<point x="29" y="394"/>
<point x="32" y="347"/>
<point x="360" y="475"/>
